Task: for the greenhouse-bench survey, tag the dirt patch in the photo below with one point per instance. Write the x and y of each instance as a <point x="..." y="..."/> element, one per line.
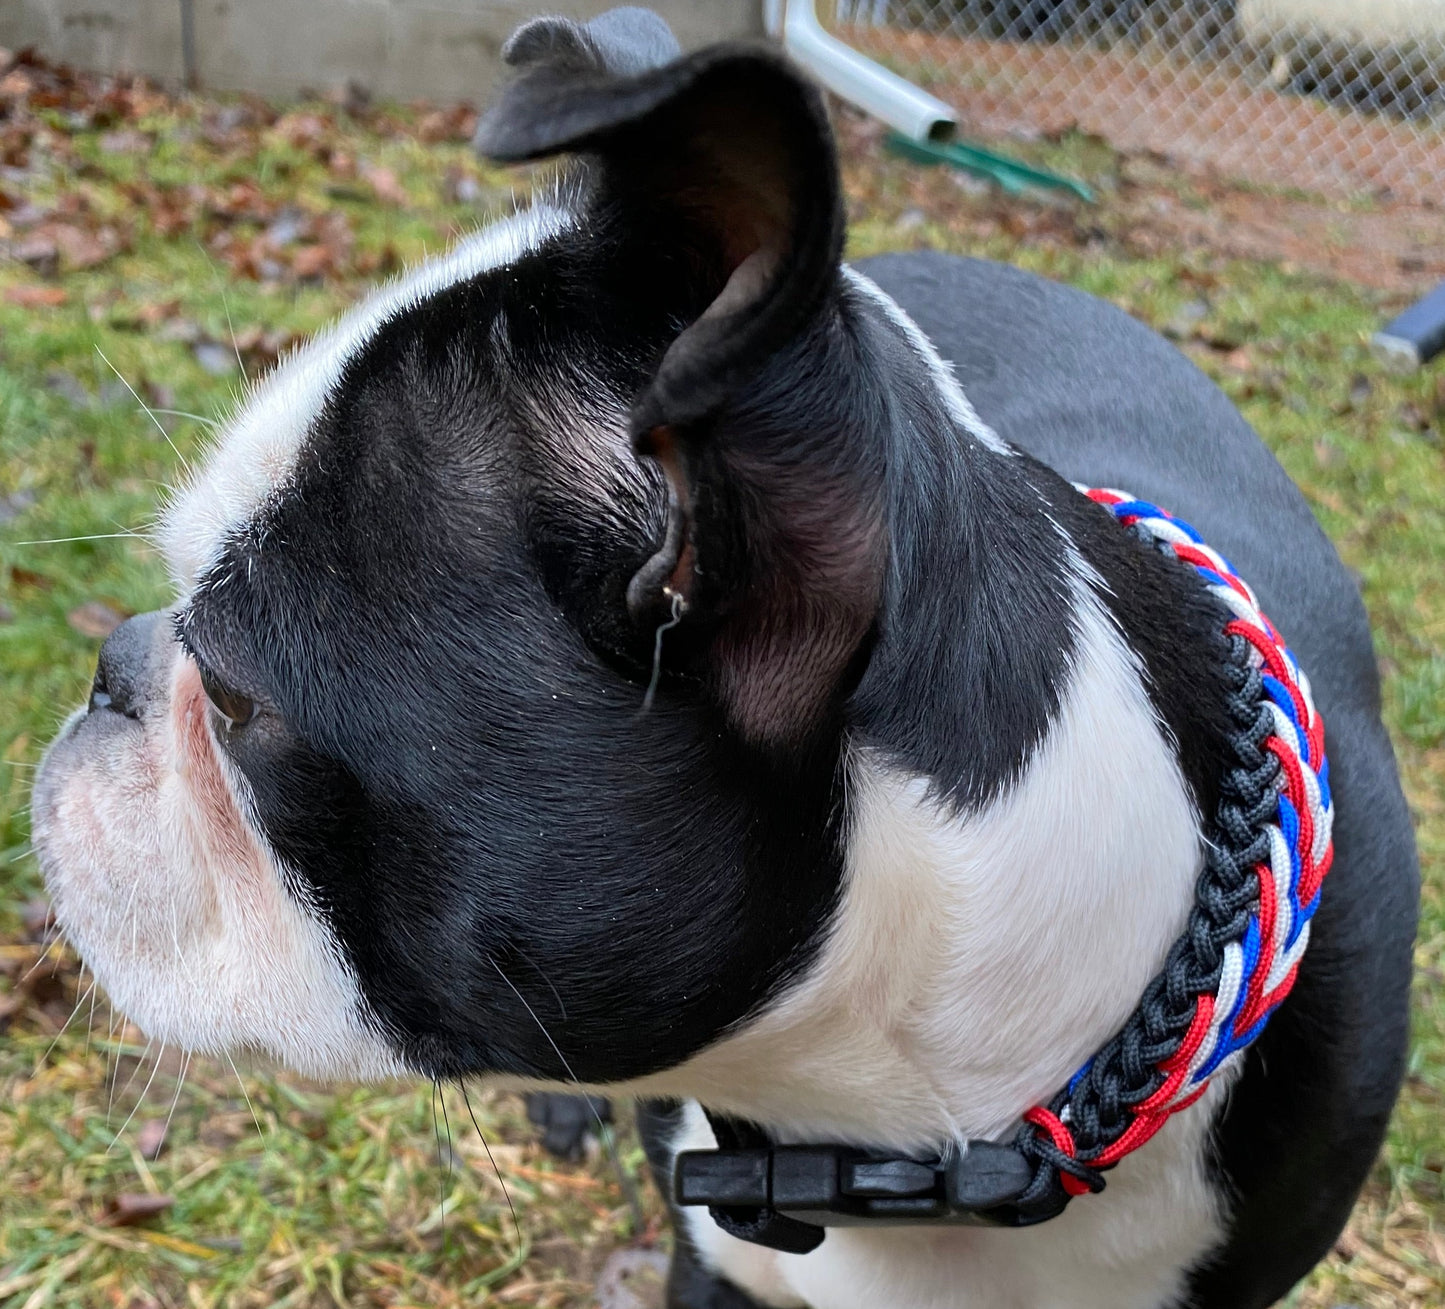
<point x="1150" y="205"/>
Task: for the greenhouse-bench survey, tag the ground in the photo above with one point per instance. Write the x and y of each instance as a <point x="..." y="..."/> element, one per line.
<point x="162" y="250"/>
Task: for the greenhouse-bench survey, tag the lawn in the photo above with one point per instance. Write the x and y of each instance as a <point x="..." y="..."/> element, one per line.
<point x="164" y="251"/>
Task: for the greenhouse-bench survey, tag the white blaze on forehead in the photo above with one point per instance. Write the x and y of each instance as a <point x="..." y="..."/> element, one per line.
<point x="257" y="449"/>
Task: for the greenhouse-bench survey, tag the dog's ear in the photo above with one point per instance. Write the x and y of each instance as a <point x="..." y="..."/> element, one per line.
<point x="717" y="171"/>
<point x="731" y="144"/>
<point x="623" y="42"/>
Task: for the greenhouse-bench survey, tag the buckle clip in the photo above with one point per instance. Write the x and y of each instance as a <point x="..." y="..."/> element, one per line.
<point x="766" y="1194"/>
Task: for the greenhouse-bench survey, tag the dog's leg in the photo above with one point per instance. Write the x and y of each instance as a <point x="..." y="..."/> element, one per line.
<point x="567" y="1121"/>
<point x="690" y="1285"/>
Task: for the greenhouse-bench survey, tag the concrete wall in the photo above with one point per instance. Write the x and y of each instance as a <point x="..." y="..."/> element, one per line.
<point x="433" y="49"/>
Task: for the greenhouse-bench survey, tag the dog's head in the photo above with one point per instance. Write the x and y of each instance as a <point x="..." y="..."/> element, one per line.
<point x="495" y="727"/>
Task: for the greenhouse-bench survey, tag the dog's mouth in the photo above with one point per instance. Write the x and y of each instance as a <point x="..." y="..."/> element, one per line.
<point x="174" y="900"/>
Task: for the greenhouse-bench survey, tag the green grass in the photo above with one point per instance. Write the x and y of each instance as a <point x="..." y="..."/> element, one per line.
<point x="315" y="1196"/>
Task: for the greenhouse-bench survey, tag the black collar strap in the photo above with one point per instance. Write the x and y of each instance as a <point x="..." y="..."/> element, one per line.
<point x="1268" y="851"/>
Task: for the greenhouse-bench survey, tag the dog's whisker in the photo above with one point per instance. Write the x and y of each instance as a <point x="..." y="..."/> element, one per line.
<point x="551" y="986"/>
<point x="93" y="536"/>
<point x="150" y="413"/>
<point x="175" y="1099"/>
<point x="436" y="1132"/>
<point x="186" y="413"/>
<point x="110" y="1056"/>
<point x="245" y="1095"/>
<point x="140" y="1099"/>
<point x="139" y="1064"/>
<point x="50" y="1049"/>
<point x="603" y="1135"/>
<point x="501" y="1181"/>
<point x="90" y="1020"/>
<point x="49" y="941"/>
<point x="231" y="328"/>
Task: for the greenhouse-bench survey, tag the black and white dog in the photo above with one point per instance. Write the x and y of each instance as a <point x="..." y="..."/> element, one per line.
<point x="623" y="654"/>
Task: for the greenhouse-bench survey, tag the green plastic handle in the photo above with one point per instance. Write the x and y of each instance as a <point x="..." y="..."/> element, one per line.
<point x="1011" y="174"/>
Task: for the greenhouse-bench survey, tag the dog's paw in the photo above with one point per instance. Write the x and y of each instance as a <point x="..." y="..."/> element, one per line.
<point x="568" y="1122"/>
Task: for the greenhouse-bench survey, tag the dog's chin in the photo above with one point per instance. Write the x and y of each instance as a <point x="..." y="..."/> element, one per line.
<point x="174" y="902"/>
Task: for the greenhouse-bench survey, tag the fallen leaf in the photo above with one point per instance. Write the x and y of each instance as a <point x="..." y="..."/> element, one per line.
<point x="132" y="1207"/>
<point x="385" y="184"/>
<point x="29" y="577"/>
<point x="151" y="1139"/>
<point x="94" y="619"/>
<point x="36" y="297"/>
<point x="311" y="261"/>
<point x="80" y="249"/>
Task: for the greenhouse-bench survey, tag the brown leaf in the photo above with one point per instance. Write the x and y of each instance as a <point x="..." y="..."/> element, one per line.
<point x="151" y="1139"/>
<point x="95" y="619"/>
<point x="131" y="1207"/>
<point x="82" y="249"/>
<point x="35" y="297"/>
<point x="311" y="261"/>
<point x="383" y="181"/>
<point x="459" y="123"/>
<point x="29" y="577"/>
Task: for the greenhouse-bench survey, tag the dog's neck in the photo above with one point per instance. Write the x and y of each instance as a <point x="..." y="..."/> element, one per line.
<point x="1022" y="840"/>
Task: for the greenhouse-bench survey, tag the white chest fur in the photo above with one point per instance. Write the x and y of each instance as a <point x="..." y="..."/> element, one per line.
<point x="974" y="964"/>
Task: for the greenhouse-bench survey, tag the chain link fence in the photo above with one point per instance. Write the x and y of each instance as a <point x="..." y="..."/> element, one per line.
<point x="1344" y="97"/>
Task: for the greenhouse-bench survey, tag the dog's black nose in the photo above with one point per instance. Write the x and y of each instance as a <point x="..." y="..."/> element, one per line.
<point x="122" y="671"/>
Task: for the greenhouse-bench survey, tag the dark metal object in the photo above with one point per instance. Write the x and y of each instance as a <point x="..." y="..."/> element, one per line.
<point x="1416" y="337"/>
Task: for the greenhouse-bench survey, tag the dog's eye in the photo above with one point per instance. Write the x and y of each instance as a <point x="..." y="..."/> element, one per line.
<point x="235" y="708"/>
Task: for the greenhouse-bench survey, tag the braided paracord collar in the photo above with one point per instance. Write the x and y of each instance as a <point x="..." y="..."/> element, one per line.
<point x="1266" y="855"/>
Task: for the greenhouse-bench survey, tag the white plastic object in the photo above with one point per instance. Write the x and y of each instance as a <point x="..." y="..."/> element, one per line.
<point x="855" y="77"/>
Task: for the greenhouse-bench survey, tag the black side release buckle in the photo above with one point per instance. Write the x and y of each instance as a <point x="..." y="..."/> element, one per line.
<point x="784" y="1196"/>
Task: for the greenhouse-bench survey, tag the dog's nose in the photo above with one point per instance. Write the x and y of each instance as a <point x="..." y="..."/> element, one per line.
<point x="122" y="673"/>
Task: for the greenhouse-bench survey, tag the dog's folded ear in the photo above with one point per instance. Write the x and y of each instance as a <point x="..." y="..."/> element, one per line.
<point x="623" y="42"/>
<point x="712" y="177"/>
<point x="729" y="149"/>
